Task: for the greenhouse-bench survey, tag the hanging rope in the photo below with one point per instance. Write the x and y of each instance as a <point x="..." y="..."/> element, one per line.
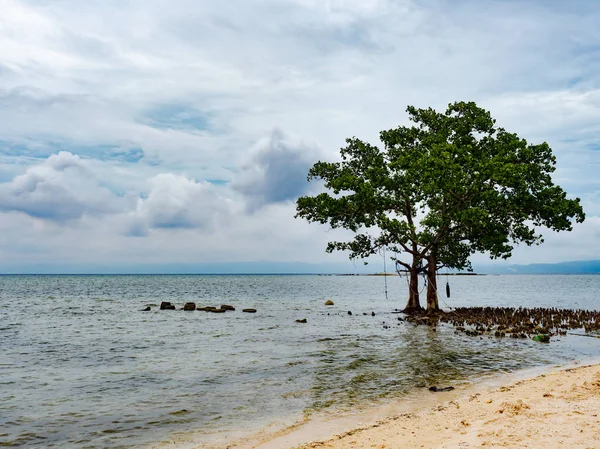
<point x="400" y="271"/>
<point x="439" y="298"/>
<point x="385" y="275"/>
<point x="408" y="283"/>
<point x="445" y="303"/>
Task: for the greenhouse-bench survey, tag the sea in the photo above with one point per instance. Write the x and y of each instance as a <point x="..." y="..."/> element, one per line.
<point x="83" y="366"/>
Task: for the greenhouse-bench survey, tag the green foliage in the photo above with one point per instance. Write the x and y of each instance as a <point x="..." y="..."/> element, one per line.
<point x="449" y="185"/>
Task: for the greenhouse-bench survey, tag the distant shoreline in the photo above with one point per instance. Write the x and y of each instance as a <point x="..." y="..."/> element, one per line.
<point x="249" y="268"/>
<point x="295" y="274"/>
<point x="396" y="274"/>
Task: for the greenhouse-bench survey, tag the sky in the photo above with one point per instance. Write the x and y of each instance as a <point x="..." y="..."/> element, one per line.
<point x="154" y="135"/>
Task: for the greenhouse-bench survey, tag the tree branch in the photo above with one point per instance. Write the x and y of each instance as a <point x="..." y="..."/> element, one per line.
<point x="404" y="264"/>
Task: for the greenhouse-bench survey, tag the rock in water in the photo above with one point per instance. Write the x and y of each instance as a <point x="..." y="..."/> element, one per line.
<point x="189" y="306"/>
<point x="147" y="309"/>
<point x="542" y="338"/>
<point x="436" y="389"/>
<point x="303" y="320"/>
<point x="249" y="310"/>
<point x="227" y="307"/>
<point x="329" y="302"/>
<point x="170" y="307"/>
<point x="164" y="305"/>
<point x="215" y="310"/>
<point x="349" y="312"/>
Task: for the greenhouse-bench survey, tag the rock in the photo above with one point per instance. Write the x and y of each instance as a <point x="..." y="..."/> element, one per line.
<point x="349" y="312"/>
<point x="147" y="309"/>
<point x="436" y="389"/>
<point x="164" y="305"/>
<point x="189" y="306"/>
<point x="227" y="307"/>
<point x="372" y="313"/>
<point x="542" y="338"/>
<point x="215" y="310"/>
<point x="249" y="310"/>
<point x="170" y="307"/>
<point x="303" y="320"/>
<point x="329" y="302"/>
<point x="206" y="309"/>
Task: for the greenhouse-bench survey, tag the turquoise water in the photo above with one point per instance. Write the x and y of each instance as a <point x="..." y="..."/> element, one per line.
<point x="81" y="366"/>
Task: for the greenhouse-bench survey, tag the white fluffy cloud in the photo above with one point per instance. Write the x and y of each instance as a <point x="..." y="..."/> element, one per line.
<point x="176" y="202"/>
<point x="60" y="189"/>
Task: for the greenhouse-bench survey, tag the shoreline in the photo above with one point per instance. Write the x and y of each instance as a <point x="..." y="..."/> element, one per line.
<point x="559" y="407"/>
<point x="529" y="408"/>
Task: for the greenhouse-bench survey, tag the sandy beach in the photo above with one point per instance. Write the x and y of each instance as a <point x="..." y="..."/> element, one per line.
<point x="553" y="410"/>
<point x="559" y="409"/>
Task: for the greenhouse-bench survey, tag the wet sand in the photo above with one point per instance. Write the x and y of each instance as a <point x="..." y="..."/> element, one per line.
<point x="549" y="408"/>
<point x="554" y="410"/>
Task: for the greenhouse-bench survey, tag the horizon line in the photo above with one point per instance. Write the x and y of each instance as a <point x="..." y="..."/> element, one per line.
<point x="513" y="273"/>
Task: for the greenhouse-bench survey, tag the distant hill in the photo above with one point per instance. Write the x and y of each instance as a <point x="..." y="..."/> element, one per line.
<point x="574" y="267"/>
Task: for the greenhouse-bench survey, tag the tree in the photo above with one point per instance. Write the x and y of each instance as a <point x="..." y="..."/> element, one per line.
<point x="448" y="186"/>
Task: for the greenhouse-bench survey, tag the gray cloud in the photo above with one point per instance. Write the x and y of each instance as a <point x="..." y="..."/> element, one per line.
<point x="276" y="171"/>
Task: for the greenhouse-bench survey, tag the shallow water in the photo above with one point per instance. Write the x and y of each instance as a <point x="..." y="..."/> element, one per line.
<point x="81" y="366"/>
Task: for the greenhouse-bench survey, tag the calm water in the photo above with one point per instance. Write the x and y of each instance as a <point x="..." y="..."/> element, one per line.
<point x="82" y="367"/>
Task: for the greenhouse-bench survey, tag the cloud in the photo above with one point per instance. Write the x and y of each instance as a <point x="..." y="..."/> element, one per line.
<point x="579" y="244"/>
<point x="62" y="188"/>
<point x="276" y="171"/>
<point x="176" y="202"/>
<point x="160" y="100"/>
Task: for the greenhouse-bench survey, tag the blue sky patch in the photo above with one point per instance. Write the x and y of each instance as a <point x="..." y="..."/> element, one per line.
<point x="129" y="155"/>
<point x="32" y="149"/>
<point x="218" y="182"/>
<point x="177" y="116"/>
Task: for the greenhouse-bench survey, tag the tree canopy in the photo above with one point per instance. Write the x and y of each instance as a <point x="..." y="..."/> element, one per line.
<point x="449" y="185"/>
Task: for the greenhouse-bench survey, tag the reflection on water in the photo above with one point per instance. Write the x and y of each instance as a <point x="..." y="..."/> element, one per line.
<point x="82" y="366"/>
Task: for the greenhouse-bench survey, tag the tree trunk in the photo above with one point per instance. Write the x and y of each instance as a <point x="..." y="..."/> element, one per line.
<point x="413" y="304"/>
<point x="433" y="304"/>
